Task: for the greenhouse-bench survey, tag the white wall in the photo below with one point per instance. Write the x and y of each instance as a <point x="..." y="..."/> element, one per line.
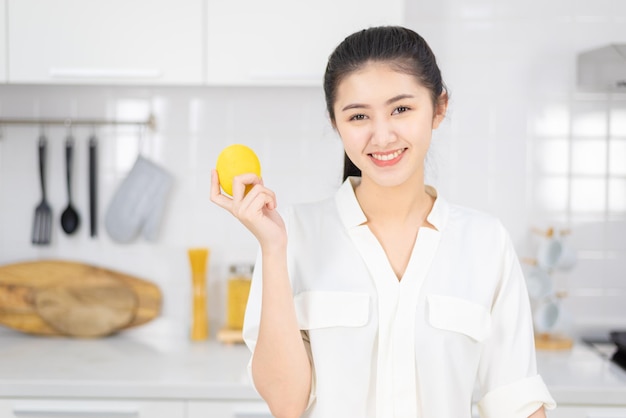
<point x="510" y="67"/>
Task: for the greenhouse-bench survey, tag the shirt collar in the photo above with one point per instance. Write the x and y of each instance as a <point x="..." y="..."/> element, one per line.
<point x="352" y="215"/>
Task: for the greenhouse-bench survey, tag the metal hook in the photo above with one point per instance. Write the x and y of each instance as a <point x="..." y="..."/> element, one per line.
<point x="142" y="139"/>
<point x="68" y="125"/>
<point x="42" y="131"/>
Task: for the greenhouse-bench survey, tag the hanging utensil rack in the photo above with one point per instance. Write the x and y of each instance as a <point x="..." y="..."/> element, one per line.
<point x="149" y="123"/>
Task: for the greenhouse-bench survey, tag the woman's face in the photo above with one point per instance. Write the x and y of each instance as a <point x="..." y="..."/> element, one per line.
<point x="385" y="119"/>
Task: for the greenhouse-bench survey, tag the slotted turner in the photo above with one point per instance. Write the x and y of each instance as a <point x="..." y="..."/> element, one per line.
<point x="42" y="224"/>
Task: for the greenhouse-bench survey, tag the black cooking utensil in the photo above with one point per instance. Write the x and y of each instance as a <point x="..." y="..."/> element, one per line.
<point x="70" y="220"/>
<point x="42" y="224"/>
<point x="619" y="357"/>
<point x="93" y="186"/>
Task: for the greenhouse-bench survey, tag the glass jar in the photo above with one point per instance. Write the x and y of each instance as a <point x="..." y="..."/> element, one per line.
<point x="239" y="280"/>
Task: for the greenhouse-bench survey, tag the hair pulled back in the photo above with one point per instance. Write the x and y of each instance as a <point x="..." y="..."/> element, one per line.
<point x="403" y="49"/>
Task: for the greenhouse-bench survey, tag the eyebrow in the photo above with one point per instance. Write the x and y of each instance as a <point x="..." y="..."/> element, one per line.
<point x="388" y="102"/>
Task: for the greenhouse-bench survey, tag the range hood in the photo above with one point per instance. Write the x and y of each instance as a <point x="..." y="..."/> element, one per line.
<point x="602" y="69"/>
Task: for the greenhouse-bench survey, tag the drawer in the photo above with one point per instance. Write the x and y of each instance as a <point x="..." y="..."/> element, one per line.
<point x="587" y="412"/>
<point x="234" y="409"/>
<point x="74" y="408"/>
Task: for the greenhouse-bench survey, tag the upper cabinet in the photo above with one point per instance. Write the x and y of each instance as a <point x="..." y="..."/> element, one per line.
<point x="183" y="42"/>
<point x="3" y="41"/>
<point x="284" y="42"/>
<point x="105" y="42"/>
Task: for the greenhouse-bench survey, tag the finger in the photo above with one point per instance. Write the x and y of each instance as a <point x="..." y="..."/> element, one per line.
<point x="253" y="210"/>
<point x="243" y="183"/>
<point x="216" y="194"/>
<point x="272" y="203"/>
<point x="257" y="199"/>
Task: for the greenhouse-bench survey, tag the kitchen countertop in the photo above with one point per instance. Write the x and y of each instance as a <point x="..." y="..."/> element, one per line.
<point x="124" y="367"/>
<point x="582" y="376"/>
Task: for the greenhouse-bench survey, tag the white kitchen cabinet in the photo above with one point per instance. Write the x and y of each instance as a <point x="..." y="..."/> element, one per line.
<point x="47" y="408"/>
<point x="112" y="42"/>
<point x="284" y="42"/>
<point x="3" y="41"/>
<point x="233" y="409"/>
<point x="587" y="412"/>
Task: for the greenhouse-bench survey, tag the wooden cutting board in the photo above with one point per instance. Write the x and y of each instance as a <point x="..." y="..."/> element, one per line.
<point x="55" y="297"/>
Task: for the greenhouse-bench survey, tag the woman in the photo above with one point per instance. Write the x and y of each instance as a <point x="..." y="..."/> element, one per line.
<point x="385" y="300"/>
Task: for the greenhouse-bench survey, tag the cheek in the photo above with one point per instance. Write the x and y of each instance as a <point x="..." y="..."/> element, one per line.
<point x="411" y="132"/>
<point x="422" y="128"/>
<point x="353" y="145"/>
<point x="351" y="136"/>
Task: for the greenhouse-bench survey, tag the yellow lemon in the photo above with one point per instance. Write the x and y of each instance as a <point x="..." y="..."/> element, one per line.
<point x="235" y="160"/>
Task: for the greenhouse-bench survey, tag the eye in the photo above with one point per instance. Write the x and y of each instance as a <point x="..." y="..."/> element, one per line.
<point x="400" y="109"/>
<point x="358" y="116"/>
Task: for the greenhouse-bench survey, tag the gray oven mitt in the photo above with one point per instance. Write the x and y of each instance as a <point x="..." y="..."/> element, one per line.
<point x="138" y="203"/>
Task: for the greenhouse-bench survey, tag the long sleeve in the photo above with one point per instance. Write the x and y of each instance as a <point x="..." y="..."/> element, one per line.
<point x="508" y="375"/>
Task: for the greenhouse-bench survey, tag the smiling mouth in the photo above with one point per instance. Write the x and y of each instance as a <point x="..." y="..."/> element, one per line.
<point x="388" y="156"/>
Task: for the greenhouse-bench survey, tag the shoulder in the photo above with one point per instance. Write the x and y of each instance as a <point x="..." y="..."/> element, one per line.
<point x="478" y="223"/>
<point x="460" y="213"/>
<point x="309" y="210"/>
<point x="310" y="215"/>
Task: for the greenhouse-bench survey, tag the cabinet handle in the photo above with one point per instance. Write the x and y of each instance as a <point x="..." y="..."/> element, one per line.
<point x="278" y="77"/>
<point x="609" y="413"/>
<point x="66" y="408"/>
<point x="104" y="73"/>
<point x="252" y="411"/>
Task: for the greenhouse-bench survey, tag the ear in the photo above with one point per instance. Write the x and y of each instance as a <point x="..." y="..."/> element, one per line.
<point x="440" y="110"/>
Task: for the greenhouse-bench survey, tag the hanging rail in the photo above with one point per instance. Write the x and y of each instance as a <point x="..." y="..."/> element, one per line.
<point x="150" y="123"/>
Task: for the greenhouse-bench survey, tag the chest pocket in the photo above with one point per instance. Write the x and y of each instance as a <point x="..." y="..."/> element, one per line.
<point x="459" y="315"/>
<point x="323" y="309"/>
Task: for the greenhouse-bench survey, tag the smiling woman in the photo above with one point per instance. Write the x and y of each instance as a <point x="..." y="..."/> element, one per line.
<point x="385" y="288"/>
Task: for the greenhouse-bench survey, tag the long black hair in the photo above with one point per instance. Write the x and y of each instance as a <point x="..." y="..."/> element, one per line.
<point x="402" y="48"/>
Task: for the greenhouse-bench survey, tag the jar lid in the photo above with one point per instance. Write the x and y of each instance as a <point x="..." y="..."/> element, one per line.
<point x="241" y="269"/>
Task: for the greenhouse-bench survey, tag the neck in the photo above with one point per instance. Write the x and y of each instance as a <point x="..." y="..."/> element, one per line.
<point x="401" y="203"/>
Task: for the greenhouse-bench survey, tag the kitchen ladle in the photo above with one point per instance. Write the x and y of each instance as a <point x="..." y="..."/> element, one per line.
<point x="70" y="220"/>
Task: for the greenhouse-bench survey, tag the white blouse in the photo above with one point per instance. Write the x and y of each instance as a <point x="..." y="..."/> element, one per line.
<point x="457" y="325"/>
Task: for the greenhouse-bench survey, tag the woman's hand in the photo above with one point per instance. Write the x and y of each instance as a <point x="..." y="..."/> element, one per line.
<point x="256" y="209"/>
<point x="539" y="413"/>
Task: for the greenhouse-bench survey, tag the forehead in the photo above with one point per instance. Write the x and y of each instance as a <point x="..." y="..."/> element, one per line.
<point x="377" y="81"/>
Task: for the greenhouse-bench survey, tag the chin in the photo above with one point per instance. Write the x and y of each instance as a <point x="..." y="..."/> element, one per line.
<point x="393" y="178"/>
<point x="388" y="181"/>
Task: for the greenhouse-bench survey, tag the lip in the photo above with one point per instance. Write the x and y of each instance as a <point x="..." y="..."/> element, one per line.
<point x="387" y="163"/>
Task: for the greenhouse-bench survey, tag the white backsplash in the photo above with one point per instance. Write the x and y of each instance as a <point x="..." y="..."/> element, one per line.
<point x="301" y="159"/>
<point x="510" y="68"/>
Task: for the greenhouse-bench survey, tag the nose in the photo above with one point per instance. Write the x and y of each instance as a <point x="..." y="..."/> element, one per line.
<point x="382" y="132"/>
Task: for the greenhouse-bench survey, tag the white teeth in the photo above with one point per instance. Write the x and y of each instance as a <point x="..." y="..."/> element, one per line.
<point x="387" y="157"/>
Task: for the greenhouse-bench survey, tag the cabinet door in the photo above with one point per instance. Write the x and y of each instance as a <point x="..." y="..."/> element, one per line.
<point x="48" y="408"/>
<point x="284" y="42"/>
<point x="587" y="412"/>
<point x="233" y="409"/>
<point x="3" y="41"/>
<point x="113" y="41"/>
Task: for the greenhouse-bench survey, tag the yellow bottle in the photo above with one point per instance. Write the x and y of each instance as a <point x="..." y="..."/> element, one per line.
<point x="238" y="290"/>
<point x="198" y="258"/>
